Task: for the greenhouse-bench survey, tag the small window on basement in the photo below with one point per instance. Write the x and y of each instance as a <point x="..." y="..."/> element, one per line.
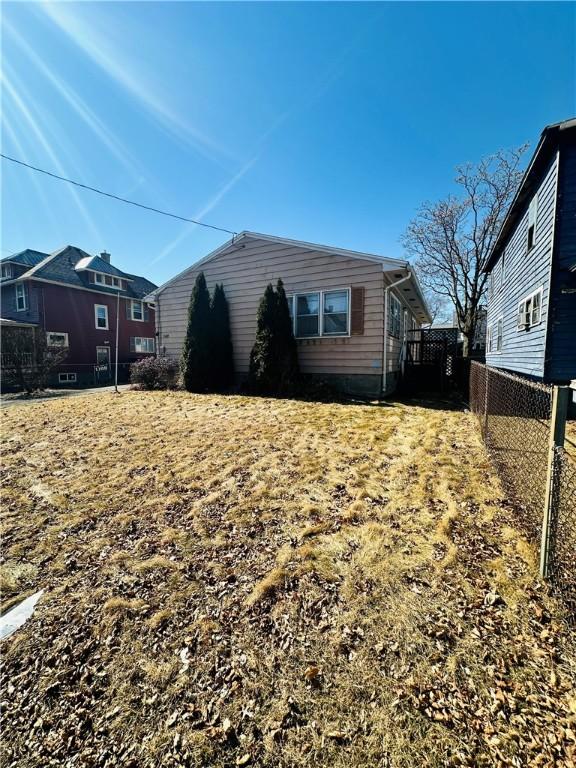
<point x="67" y="378"/>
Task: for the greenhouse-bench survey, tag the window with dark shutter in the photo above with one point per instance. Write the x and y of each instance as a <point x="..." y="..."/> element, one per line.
<point x="128" y="309"/>
<point x="132" y="344"/>
<point x="357" y="311"/>
<point x="146" y="312"/>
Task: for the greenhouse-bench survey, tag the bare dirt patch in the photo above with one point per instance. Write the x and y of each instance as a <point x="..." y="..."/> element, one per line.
<point x="240" y="581"/>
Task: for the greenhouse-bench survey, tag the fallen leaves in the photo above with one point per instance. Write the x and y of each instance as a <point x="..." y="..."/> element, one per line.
<point x="369" y="641"/>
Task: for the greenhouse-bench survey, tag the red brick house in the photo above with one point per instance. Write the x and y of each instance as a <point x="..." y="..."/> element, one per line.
<point x="74" y="297"/>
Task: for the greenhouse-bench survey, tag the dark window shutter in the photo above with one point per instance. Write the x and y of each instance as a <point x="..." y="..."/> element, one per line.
<point x="146" y="311"/>
<point x="357" y="311"/>
<point x="128" y="309"/>
<point x="132" y="344"/>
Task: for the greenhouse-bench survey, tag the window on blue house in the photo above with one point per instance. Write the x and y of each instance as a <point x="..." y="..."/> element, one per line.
<point x="532" y="214"/>
<point x="530" y="310"/>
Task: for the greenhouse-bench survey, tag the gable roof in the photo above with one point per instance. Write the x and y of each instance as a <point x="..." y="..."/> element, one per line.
<point x="61" y="267"/>
<point x="237" y="240"/>
<point x="547" y="146"/>
<point x="387" y="263"/>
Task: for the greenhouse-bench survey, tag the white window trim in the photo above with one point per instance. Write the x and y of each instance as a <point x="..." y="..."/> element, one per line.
<point x="66" y="378"/>
<point x="498" y="350"/>
<point x="321" y="334"/>
<point x="136" y="319"/>
<point x="146" y="339"/>
<point x="522" y="303"/>
<point x="99" y="278"/>
<point x="96" y="308"/>
<point x="6" y="271"/>
<point x="58" y="333"/>
<point x="395" y="299"/>
<point x="21" y="287"/>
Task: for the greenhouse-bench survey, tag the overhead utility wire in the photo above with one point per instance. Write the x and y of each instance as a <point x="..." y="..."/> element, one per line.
<point x="116" y="197"/>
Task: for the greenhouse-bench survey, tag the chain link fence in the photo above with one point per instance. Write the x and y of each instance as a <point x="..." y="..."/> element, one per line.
<point x="517" y="419"/>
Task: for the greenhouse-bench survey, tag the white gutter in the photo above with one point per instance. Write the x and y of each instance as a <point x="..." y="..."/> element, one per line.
<point x="385" y="346"/>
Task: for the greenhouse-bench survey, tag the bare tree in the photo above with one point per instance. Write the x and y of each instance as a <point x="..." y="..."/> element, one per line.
<point x="27" y="359"/>
<point x="452" y="239"/>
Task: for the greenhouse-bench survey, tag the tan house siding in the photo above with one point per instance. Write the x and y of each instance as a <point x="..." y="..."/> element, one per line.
<point x="353" y="363"/>
<point x="246" y="271"/>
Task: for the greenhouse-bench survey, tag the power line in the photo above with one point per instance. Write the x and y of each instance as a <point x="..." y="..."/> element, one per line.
<point x="116" y="197"/>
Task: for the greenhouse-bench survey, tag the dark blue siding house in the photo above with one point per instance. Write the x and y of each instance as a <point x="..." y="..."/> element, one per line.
<point x="531" y="323"/>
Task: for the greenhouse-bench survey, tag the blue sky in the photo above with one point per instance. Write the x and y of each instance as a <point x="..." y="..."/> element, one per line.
<point x="327" y="122"/>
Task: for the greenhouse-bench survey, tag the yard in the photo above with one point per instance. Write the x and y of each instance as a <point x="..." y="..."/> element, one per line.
<point x="241" y="581"/>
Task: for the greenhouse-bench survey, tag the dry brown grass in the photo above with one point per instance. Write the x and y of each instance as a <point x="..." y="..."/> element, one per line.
<point x="304" y="584"/>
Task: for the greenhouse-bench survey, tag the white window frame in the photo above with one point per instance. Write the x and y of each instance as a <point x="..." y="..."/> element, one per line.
<point x="67" y="378"/>
<point x="65" y="345"/>
<point x="20" y="290"/>
<point x="525" y="310"/>
<point x="138" y="342"/>
<point x="394" y="300"/>
<point x="292" y="300"/>
<point x="96" y="308"/>
<point x="499" y="334"/>
<point x="348" y="300"/>
<point x="489" y="338"/>
<point x="6" y="271"/>
<point x="136" y="319"/>
<point x="98" y="278"/>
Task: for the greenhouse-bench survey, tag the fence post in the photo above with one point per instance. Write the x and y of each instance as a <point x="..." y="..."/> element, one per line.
<point x="558" y="415"/>
<point x="485" y="425"/>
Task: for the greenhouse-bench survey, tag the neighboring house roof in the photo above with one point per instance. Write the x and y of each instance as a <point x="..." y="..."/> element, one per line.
<point x="387" y="263"/>
<point x="547" y="146"/>
<point x="61" y="267"/>
<point x="27" y="258"/>
<point x="97" y="264"/>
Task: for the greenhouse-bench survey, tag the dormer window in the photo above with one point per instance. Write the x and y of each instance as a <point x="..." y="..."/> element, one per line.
<point x="6" y="271"/>
<point x="98" y="278"/>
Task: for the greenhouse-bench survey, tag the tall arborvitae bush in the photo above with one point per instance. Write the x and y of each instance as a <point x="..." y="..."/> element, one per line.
<point x="196" y="354"/>
<point x="262" y="374"/>
<point x="287" y="350"/>
<point x="274" y="357"/>
<point x="222" y="365"/>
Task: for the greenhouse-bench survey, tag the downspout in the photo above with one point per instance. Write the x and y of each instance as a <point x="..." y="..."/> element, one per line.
<point x="385" y="346"/>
